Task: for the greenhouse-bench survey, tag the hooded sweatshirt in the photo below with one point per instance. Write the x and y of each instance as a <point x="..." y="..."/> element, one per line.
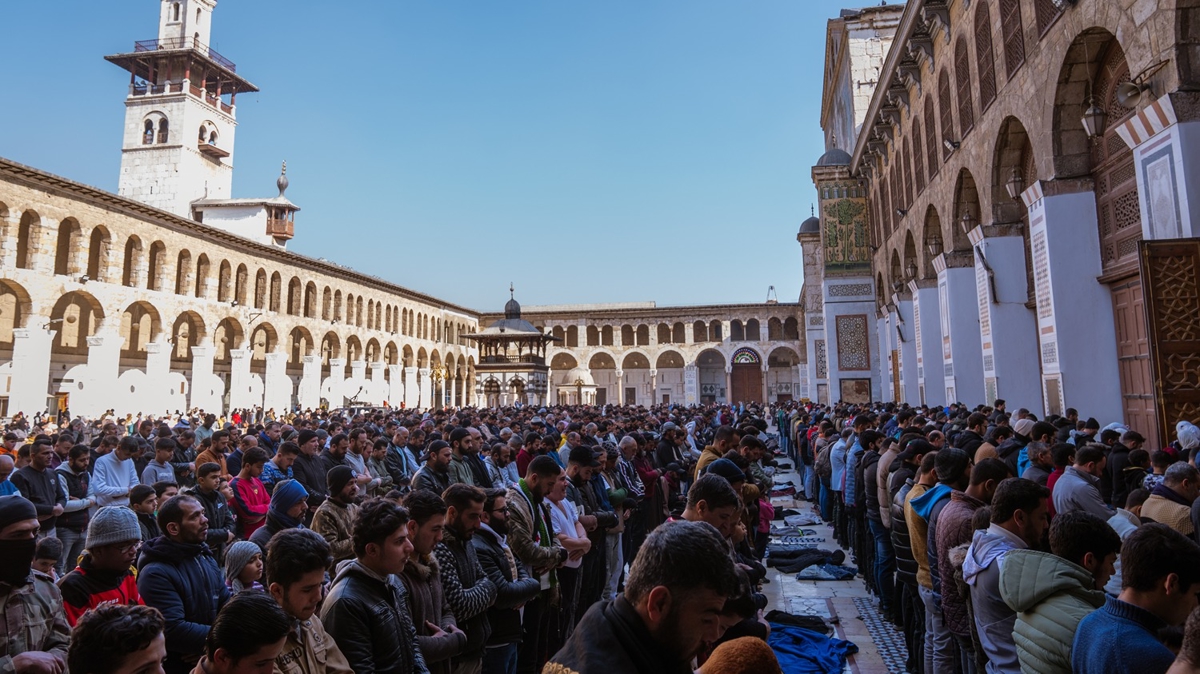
<point x="993" y="618"/>
<point x="1050" y="596"/>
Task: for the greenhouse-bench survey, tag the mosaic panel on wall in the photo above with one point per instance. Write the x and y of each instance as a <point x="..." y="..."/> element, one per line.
<point x="847" y="246"/>
<point x="822" y="364"/>
<point x="854" y="351"/>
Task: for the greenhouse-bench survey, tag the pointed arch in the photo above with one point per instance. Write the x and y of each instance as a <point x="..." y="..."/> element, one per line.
<point x="66" y="253"/>
<point x="202" y="272"/>
<point x="99" y="250"/>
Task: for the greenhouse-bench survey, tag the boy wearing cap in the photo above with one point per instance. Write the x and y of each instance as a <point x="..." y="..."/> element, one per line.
<point x="334" y="520"/>
<point x="104" y="573"/>
<point x="289" y="504"/>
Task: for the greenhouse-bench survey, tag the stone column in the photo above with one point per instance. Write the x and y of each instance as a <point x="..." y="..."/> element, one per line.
<point x="962" y="358"/>
<point x="903" y="330"/>
<point x="766" y="396"/>
<point x="885" y="328"/>
<point x="620" y="387"/>
<point x="207" y="389"/>
<point x="454" y="391"/>
<point x="100" y="380"/>
<point x="691" y="382"/>
<point x="43" y="239"/>
<point x="425" y="386"/>
<point x="376" y="391"/>
<point x="241" y="389"/>
<point x="358" y="370"/>
<point x="337" y="382"/>
<point x="1007" y="328"/>
<point x="1079" y="366"/>
<point x="926" y="330"/>
<point x="277" y="385"/>
<point x="728" y="383"/>
<point x="653" y="387"/>
<point x="309" y="392"/>
<point x="159" y="395"/>
<point x="8" y="242"/>
<point x="30" y="368"/>
<point x="410" y="387"/>
<point x="395" y="385"/>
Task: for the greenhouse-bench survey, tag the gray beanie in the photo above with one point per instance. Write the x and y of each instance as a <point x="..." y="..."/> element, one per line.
<point x="112" y="524"/>
<point x="237" y="556"/>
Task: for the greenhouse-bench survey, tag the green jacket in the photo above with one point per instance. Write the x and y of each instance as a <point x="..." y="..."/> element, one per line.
<point x="1050" y="596"/>
<point x="32" y="618"/>
<point x="460" y="471"/>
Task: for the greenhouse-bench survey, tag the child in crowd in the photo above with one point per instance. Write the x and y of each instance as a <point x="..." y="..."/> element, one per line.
<point x="143" y="500"/>
<point x="244" y="567"/>
<point x="1160" y="461"/>
<point x="46" y="555"/>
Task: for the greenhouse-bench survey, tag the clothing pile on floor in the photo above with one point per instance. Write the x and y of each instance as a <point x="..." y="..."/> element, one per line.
<point x="828" y="572"/>
<point x="804" y="648"/>
<point x="797" y="560"/>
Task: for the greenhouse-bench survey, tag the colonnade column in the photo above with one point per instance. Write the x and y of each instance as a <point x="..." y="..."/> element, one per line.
<point x="277" y="385"/>
<point x="1007" y="328"/>
<point x="337" y="382"/>
<point x="103" y="366"/>
<point x="926" y="328"/>
<point x="728" y="383"/>
<point x="308" y="394"/>
<point x="885" y="328"/>
<point x="766" y="391"/>
<point x="903" y="323"/>
<point x="8" y="243"/>
<point x="962" y="357"/>
<point x="30" y="369"/>
<point x="653" y="387"/>
<point x="691" y="382"/>
<point x="1079" y="366"/>
<point x="454" y="390"/>
<point x="395" y="384"/>
<point x="158" y="367"/>
<point x="426" y="389"/>
<point x="241" y="392"/>
<point x="620" y="387"/>
<point x="377" y="388"/>
<point x="207" y="389"/>
<point x="410" y="387"/>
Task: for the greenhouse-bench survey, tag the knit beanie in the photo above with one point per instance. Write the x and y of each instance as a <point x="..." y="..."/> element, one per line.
<point x="237" y="556"/>
<point x="337" y="477"/>
<point x="112" y="524"/>
<point x="287" y="494"/>
<point x="306" y="436"/>
<point x="17" y="508"/>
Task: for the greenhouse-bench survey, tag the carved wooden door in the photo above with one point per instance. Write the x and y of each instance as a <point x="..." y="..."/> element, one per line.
<point x="1133" y="360"/>
<point x="1171" y="287"/>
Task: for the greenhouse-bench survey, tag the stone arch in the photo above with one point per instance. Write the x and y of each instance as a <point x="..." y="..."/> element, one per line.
<point x="663" y="333"/>
<point x="300" y="344"/>
<point x="260" y="289"/>
<point x="635" y="360"/>
<point x="373" y="350"/>
<point x="15" y="309"/>
<point x="187" y="331"/>
<point x="358" y="311"/>
<point x="1013" y="160"/>
<point x="66" y="252"/>
<point x="931" y="241"/>
<point x="573" y="335"/>
<point x="406" y="353"/>
<point x="156" y="269"/>
<point x="715" y="332"/>
<point x="966" y="203"/>
<point x="141" y="324"/>
<point x="29" y="236"/>
<point x="326" y="304"/>
<point x="783" y="356"/>
<point x="310" y="300"/>
<point x="669" y="358"/>
<point x="1077" y="79"/>
<point x="791" y="328"/>
<point x="895" y="272"/>
<point x="264" y="339"/>
<point x="962" y="75"/>
<point x="985" y="58"/>
<point x="643" y="335"/>
<point x="77" y="315"/>
<point x="331" y="347"/>
<point x="242" y="285"/>
<point x="391" y="354"/>
<point x="678" y="333"/>
<point x="202" y="271"/>
<point x="912" y="263"/>
<point x="370" y="314"/>
<point x="737" y="331"/>
<point x="753" y="330"/>
<point x="337" y="306"/>
<point x="699" y="332"/>
<point x="99" y="250"/>
<point x="627" y="335"/>
<point x="225" y="281"/>
<point x="227" y="337"/>
<point x="354" y="348"/>
<point x="745" y="356"/>
<point x="275" y="297"/>
<point x="563" y="361"/>
<point x="593" y="336"/>
<point x="602" y="360"/>
<point x="295" y="297"/>
<point x="946" y="112"/>
<point x="880" y="300"/>
<point x="183" y="272"/>
<point x="774" y="329"/>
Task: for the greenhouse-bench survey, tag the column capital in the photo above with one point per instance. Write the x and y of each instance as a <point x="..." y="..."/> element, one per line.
<point x="309" y="360"/>
<point x="954" y="260"/>
<point x="337" y="362"/>
<point x="157" y="347"/>
<point x="918" y="284"/>
<point x="202" y="351"/>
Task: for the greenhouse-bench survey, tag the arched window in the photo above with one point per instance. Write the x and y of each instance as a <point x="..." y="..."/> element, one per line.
<point x="931" y="145"/>
<point x="946" y="106"/>
<point x="175" y="12"/>
<point x="148" y="132"/>
<point x="985" y="62"/>
<point x="1047" y="12"/>
<point x="962" y="72"/>
<point x="1014" y="36"/>
<point x="918" y="162"/>
<point x="908" y="176"/>
<point x="885" y="208"/>
<point x="164" y="130"/>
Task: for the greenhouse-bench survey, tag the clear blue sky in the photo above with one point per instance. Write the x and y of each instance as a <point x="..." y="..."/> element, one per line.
<point x="623" y="150"/>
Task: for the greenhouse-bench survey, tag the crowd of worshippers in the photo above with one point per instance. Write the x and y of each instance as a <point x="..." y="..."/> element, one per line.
<point x="1001" y="542"/>
<point x="569" y="539"/>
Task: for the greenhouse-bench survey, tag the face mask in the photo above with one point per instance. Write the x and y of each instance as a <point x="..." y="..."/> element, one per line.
<point x="16" y="558"/>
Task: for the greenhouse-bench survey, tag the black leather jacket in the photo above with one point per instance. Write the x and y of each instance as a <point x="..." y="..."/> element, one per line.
<point x="368" y="618"/>
<point x="906" y="564"/>
<point x="512" y="590"/>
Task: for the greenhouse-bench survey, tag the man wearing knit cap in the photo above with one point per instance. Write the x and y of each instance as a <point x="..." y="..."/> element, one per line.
<point x="334" y="519"/>
<point x="34" y="625"/>
<point x="309" y="469"/>
<point x="104" y="573"/>
<point x="289" y="504"/>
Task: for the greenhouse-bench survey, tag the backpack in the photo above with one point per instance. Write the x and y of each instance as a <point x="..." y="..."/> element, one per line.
<point x="824" y="466"/>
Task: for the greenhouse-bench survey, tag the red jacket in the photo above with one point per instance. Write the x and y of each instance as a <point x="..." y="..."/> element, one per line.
<point x="85" y="588"/>
<point x="250" y="503"/>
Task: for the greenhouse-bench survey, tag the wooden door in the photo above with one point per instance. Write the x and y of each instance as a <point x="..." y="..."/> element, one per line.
<point x="1171" y="288"/>
<point x="747" y="383"/>
<point x="1133" y="360"/>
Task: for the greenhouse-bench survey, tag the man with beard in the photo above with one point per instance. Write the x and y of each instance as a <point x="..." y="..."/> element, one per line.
<point x="103" y="574"/>
<point x="596" y="520"/>
<point x="535" y="547"/>
<point x="335" y="518"/>
<point x="400" y="461"/>
<point x="435" y="475"/>
<point x="514" y="587"/>
<point x="310" y="471"/>
<point x="178" y="575"/>
<point x="670" y="609"/>
<point x="437" y="631"/>
<point x="296" y="562"/>
<point x="467" y="588"/>
<point x="34" y="625"/>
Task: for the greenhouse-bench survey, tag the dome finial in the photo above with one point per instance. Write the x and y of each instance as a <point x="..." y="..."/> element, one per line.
<point x="511" y="290"/>
<point x="282" y="183"/>
<point x="512" y="309"/>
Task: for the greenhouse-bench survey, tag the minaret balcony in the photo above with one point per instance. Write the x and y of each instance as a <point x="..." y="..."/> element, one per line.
<point x="281" y="228"/>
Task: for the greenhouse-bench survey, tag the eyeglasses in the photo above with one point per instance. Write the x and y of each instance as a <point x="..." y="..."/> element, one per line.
<point x="500" y="510"/>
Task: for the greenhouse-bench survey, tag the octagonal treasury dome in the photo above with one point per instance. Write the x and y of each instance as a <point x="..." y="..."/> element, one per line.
<point x="576" y="374"/>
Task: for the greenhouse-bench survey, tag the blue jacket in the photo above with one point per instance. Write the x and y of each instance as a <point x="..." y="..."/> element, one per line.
<point x="184" y="583"/>
<point x="1119" y="638"/>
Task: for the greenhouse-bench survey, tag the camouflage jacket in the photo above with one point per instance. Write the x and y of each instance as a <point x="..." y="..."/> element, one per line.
<point x="32" y="619"/>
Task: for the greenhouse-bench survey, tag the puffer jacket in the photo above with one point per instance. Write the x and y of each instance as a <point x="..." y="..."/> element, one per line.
<point x="426" y="602"/>
<point x="906" y="564"/>
<point x="1050" y="596"/>
<point x="514" y="587"/>
<point x="184" y="582"/>
<point x="367" y="615"/>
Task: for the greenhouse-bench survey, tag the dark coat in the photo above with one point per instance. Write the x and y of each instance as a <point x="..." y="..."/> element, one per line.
<point x="468" y="590"/>
<point x="368" y="618"/>
<point x="310" y="471"/>
<point x="610" y="638"/>
<point x="906" y="563"/>
<point x="220" y="520"/>
<point x="869" y="482"/>
<point x="184" y="582"/>
<point x="513" y="588"/>
<point x="969" y="442"/>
